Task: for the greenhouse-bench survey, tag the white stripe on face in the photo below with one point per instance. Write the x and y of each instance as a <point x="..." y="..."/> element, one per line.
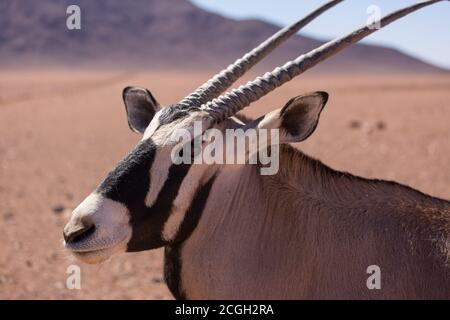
<point x="159" y="173"/>
<point x="237" y="121"/>
<point x="182" y="202"/>
<point x="154" y="124"/>
<point x="196" y="176"/>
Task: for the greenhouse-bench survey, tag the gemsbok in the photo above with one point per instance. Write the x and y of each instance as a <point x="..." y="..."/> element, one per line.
<point x="229" y="232"/>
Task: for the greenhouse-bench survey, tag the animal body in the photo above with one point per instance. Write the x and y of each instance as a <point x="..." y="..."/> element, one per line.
<point x="229" y="232"/>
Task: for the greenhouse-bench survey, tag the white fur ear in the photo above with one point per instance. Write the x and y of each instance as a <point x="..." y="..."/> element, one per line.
<point x="141" y="107"/>
<point x="298" y="119"/>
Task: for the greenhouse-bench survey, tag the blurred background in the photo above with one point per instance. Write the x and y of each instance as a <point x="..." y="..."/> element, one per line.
<point x="63" y="125"/>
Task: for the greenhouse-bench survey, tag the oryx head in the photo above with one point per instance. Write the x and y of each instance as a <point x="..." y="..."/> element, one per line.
<point x="148" y="201"/>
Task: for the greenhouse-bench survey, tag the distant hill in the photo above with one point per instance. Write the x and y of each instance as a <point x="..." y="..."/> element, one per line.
<point x="162" y="34"/>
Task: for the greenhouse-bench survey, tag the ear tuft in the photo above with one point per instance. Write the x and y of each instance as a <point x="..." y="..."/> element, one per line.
<point x="300" y="116"/>
<point x="140" y="106"/>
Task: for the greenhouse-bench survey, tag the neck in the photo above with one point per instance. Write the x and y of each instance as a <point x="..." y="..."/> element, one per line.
<point x="298" y="225"/>
<point x="304" y="179"/>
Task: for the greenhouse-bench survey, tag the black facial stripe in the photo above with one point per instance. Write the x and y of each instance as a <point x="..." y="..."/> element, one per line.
<point x="129" y="182"/>
<point x="194" y="212"/>
<point x="148" y="223"/>
<point x="172" y="252"/>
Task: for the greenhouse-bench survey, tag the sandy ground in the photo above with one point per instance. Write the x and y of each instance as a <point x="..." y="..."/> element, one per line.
<point x="61" y="131"/>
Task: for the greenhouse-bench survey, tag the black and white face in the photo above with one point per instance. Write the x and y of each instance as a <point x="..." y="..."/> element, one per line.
<point x="148" y="201"/>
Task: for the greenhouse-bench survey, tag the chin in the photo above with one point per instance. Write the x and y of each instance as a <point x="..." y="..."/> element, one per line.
<point x="101" y="255"/>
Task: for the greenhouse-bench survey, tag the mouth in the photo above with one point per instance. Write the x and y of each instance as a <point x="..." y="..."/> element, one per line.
<point x="93" y="251"/>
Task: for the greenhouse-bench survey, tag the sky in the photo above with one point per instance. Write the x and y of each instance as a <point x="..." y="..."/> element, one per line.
<point x="424" y="34"/>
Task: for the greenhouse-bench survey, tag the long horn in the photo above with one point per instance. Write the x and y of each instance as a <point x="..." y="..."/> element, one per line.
<point x="237" y="99"/>
<point x="224" y="79"/>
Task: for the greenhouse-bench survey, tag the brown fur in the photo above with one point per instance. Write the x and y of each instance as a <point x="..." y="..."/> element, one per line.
<point x="314" y="236"/>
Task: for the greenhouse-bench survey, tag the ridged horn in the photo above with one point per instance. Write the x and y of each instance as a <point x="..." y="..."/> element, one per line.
<point x="237" y="99"/>
<point x="224" y="79"/>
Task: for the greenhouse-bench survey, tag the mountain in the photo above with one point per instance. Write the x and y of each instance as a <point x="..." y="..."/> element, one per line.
<point x="160" y="34"/>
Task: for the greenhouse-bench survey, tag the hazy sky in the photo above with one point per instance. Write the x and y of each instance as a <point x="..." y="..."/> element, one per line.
<point x="424" y="34"/>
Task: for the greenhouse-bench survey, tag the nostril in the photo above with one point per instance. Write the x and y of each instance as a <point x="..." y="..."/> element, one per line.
<point x="79" y="234"/>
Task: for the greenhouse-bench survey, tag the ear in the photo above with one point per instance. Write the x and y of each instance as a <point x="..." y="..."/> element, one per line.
<point x="141" y="107"/>
<point x="298" y="119"/>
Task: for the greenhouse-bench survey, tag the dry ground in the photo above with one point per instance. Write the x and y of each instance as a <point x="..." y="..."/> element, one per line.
<point x="61" y="131"/>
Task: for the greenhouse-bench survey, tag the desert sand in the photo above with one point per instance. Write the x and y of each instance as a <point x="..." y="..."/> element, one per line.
<point x="61" y="131"/>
